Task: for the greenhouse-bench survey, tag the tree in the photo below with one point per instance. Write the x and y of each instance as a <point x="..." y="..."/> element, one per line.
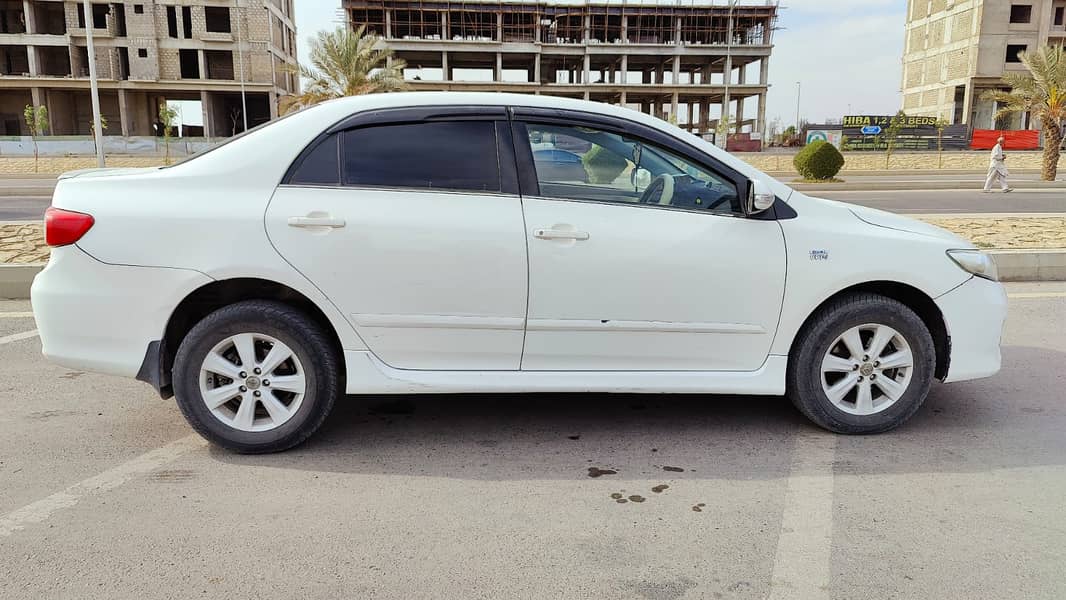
<point x="890" y="134"/>
<point x="346" y="63"/>
<point x="37" y="124"/>
<point x="1042" y="94"/>
<point x="941" y="124"/>
<point x="167" y="115"/>
<point x="92" y="127"/>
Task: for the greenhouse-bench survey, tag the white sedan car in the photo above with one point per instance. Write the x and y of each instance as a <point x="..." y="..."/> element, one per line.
<point x="450" y="242"/>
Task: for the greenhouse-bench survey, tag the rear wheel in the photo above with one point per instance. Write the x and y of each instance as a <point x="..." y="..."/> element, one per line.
<point x="864" y="364"/>
<point x="256" y="376"/>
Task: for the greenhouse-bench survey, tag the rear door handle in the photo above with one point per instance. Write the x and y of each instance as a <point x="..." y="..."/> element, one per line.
<point x="316" y="221"/>
<point x="560" y="234"/>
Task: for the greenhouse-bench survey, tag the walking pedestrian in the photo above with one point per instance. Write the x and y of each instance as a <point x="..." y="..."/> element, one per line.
<point x="997" y="168"/>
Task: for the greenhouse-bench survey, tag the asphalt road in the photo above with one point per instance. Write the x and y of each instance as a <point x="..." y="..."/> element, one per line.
<point x="105" y="494"/>
<point x="31" y="208"/>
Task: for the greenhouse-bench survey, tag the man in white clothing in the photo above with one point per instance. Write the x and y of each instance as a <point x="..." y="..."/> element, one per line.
<point x="997" y="168"/>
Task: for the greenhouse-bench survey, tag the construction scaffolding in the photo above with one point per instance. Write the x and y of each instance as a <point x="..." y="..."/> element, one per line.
<point x="687" y="61"/>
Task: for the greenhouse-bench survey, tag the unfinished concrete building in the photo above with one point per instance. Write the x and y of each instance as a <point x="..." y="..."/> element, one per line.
<point x="688" y="61"/>
<point x="147" y="52"/>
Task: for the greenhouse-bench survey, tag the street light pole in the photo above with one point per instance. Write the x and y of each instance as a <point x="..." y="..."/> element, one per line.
<point x="240" y="54"/>
<point x="798" y="90"/>
<point x="94" y="85"/>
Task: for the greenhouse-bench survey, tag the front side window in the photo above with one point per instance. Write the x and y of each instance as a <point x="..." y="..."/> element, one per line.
<point x="580" y="163"/>
<point x="455" y="155"/>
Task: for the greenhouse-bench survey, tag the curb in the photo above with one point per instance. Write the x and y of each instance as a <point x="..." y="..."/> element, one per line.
<point x="916" y="186"/>
<point x="1030" y="265"/>
<point x="15" y="280"/>
<point x="1013" y="265"/>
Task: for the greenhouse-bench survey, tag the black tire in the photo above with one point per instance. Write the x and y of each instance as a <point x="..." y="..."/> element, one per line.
<point x="317" y="356"/>
<point x="833" y="320"/>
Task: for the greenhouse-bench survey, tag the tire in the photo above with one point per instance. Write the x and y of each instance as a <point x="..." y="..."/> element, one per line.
<point x="279" y="415"/>
<point x="823" y="350"/>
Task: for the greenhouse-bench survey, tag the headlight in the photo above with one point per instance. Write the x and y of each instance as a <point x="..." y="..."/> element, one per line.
<point x="975" y="262"/>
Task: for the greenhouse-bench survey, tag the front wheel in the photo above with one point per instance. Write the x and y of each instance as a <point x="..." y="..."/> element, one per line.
<point x="256" y="376"/>
<point x="863" y="364"/>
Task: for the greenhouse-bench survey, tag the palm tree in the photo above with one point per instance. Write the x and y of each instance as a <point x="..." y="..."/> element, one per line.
<point x="1041" y="93"/>
<point x="346" y="63"/>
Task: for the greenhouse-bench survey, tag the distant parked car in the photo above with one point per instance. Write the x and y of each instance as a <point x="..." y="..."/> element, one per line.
<point x="416" y="243"/>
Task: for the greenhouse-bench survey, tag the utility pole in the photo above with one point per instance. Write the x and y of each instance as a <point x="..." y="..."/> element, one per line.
<point x="240" y="54"/>
<point x="94" y="84"/>
<point x="798" y="90"/>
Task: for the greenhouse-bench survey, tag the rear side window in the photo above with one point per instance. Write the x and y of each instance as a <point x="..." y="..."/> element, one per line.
<point x="457" y="155"/>
<point x="321" y="166"/>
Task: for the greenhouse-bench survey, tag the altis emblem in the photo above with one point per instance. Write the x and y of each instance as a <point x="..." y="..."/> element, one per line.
<point x="817" y="255"/>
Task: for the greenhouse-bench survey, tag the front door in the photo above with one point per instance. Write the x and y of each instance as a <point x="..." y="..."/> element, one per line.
<point x="640" y="259"/>
<point x="413" y="231"/>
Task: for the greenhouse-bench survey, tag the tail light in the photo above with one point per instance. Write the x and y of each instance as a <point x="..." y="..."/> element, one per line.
<point x="64" y="227"/>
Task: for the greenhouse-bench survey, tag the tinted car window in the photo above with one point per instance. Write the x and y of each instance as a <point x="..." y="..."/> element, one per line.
<point x="321" y="166"/>
<point x="459" y="155"/>
<point x="581" y="163"/>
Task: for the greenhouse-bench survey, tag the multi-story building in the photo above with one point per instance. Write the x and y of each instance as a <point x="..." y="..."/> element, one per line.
<point x="955" y="50"/>
<point x="688" y="61"/>
<point x="147" y="52"/>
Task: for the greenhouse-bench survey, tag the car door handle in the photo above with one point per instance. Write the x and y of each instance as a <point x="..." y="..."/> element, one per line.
<point x="560" y="234"/>
<point x="316" y="221"/>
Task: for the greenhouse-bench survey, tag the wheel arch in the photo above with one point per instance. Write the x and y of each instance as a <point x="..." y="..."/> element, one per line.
<point x="215" y="295"/>
<point x="915" y="299"/>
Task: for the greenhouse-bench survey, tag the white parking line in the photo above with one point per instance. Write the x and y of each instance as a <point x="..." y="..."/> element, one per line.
<point x="25" y="335"/>
<point x="44" y="508"/>
<point x="801" y="565"/>
<point x="16" y="315"/>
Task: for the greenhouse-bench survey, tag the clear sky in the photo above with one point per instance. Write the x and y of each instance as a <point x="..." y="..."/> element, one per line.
<point x="845" y="53"/>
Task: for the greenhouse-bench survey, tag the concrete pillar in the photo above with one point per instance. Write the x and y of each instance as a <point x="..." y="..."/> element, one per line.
<point x="201" y="58"/>
<point x="499" y="27"/>
<point x="536" y="67"/>
<point x="705" y="120"/>
<point x="764" y="70"/>
<point x="446" y="72"/>
<point x="625" y="68"/>
<point x="677" y="69"/>
<point x="273" y="101"/>
<point x="444" y="35"/>
<point x="622" y="98"/>
<point x="208" y="116"/>
<point x="742" y="71"/>
<point x="31" y="60"/>
<point x="388" y="25"/>
<point x="586" y="95"/>
<point x="499" y="67"/>
<point x="536" y="31"/>
<point x="588" y="29"/>
<point x="760" y="123"/>
<point x="677" y="31"/>
<point x="28" y="15"/>
<point x="673" y="108"/>
<point x="586" y="76"/>
<point x="740" y="113"/>
<point x="123" y="113"/>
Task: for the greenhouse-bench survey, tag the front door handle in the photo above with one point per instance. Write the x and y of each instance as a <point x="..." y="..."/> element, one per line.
<point x="560" y="234"/>
<point x="316" y="221"/>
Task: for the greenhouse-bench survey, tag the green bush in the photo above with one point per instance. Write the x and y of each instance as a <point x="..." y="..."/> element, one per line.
<point x="820" y="160"/>
<point x="603" y="166"/>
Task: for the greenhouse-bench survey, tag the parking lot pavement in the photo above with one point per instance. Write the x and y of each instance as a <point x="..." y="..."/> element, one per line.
<point x="105" y="494"/>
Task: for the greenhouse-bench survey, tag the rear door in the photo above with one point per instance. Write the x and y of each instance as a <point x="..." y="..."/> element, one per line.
<point x="409" y="220"/>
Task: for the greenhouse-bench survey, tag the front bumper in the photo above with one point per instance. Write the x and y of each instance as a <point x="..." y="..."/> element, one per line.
<point x="94" y="316"/>
<point x="974" y="314"/>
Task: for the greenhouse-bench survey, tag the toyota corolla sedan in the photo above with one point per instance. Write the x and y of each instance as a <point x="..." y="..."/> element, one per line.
<point x="437" y="242"/>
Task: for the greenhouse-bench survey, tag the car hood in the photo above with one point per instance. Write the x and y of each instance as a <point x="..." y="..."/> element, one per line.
<point x="880" y="218"/>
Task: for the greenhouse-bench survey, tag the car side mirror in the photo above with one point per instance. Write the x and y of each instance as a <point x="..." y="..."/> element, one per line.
<point x="760" y="197"/>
